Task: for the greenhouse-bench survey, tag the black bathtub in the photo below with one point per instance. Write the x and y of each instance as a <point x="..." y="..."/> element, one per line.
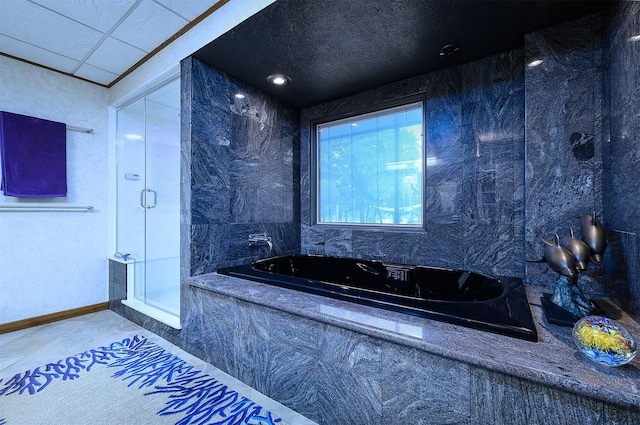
<point x="494" y="304"/>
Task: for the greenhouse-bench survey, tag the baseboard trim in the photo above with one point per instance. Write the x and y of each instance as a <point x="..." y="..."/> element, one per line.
<point x="53" y="317"/>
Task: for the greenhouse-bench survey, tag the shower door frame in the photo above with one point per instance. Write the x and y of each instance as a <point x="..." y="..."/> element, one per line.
<point x="134" y="278"/>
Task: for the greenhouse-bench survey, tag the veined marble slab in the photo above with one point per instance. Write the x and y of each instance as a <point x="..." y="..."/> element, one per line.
<point x="552" y="361"/>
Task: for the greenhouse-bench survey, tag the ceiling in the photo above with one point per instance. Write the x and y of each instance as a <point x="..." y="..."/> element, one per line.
<point x="96" y="40"/>
<point x="329" y="48"/>
<point x="333" y="48"/>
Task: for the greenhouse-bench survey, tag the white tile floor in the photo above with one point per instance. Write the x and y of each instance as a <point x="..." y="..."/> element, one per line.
<point x="29" y="348"/>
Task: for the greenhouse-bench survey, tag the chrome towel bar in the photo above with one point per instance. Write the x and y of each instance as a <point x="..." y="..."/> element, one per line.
<point x="44" y="208"/>
<point x="79" y="129"/>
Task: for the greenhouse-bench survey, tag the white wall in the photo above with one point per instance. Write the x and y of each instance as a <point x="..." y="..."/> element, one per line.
<point x="51" y="262"/>
<point x="55" y="261"/>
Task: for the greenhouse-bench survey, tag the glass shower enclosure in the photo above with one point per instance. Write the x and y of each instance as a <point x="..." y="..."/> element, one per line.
<point x="148" y="201"/>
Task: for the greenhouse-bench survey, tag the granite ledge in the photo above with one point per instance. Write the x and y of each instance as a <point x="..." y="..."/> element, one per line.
<point x="553" y="360"/>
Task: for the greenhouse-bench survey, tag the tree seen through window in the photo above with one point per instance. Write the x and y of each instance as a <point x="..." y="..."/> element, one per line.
<point x="370" y="168"/>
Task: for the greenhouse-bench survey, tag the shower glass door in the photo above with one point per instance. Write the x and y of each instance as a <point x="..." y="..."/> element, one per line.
<point x="148" y="217"/>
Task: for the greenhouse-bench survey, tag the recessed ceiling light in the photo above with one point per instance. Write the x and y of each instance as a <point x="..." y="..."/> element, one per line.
<point x="535" y="63"/>
<point x="449" y="49"/>
<point x="239" y="96"/>
<point x="279" y="79"/>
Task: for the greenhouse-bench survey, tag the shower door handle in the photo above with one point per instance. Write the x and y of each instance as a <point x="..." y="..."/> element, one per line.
<point x="155" y="199"/>
<point x="143" y="198"/>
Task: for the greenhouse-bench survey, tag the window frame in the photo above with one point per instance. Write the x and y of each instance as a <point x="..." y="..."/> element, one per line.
<point x="314" y="164"/>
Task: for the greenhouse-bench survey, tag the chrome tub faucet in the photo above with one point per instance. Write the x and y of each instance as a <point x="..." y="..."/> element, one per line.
<point x="262" y="239"/>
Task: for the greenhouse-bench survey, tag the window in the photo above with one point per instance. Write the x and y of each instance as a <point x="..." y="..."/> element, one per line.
<point x="369" y="168"/>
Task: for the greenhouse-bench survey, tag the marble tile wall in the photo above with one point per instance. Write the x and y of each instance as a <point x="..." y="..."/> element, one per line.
<point x="240" y="170"/>
<point x="489" y="195"/>
<point x="486" y="205"/>
<point x="117" y="284"/>
<point x="518" y="155"/>
<point x="563" y="113"/>
<point x="186" y="90"/>
<point x="621" y="155"/>
<point x="474" y="180"/>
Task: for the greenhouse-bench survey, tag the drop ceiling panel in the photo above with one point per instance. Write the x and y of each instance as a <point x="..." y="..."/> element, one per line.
<point x="115" y="56"/>
<point x="187" y="9"/>
<point x="91" y="73"/>
<point x="37" y="55"/>
<point x="98" y="14"/>
<point x="32" y="24"/>
<point x="148" y="26"/>
<point x="111" y="35"/>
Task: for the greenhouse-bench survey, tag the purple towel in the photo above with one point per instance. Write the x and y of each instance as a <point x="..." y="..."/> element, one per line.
<point x="33" y="152"/>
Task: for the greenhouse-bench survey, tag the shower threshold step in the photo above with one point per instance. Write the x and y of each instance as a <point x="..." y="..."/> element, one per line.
<point x="155" y="313"/>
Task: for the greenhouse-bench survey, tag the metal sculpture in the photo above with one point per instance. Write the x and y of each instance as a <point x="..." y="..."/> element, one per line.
<point x="572" y="258"/>
<point x="559" y="258"/>
<point x="594" y="236"/>
<point x="580" y="250"/>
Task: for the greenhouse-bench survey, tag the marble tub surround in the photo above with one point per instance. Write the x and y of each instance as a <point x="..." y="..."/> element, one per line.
<point x="330" y="345"/>
<point x="493" y="304"/>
